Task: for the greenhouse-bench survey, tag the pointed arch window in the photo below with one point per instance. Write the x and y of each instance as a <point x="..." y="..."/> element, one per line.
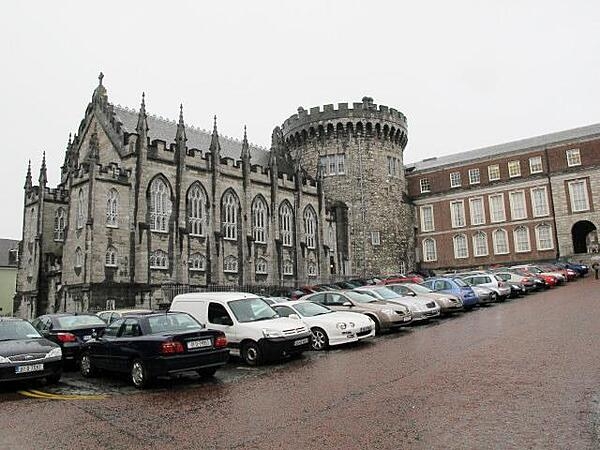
<point x="111" y="257"/>
<point x="261" y="266"/>
<point x="311" y="269"/>
<point x="160" y="205"/>
<point x="287" y="267"/>
<point x="259" y="220"/>
<point x="197" y="210"/>
<point x="286" y="219"/>
<point x="80" y="213"/>
<point x="159" y="260"/>
<point x="310" y="227"/>
<point x="59" y="224"/>
<point x="230" y="211"/>
<point x="230" y="264"/>
<point x="197" y="262"/>
<point x="78" y="257"/>
<point x="112" y="208"/>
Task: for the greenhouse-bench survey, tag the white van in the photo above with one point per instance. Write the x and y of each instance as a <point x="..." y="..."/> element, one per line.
<point x="253" y="328"/>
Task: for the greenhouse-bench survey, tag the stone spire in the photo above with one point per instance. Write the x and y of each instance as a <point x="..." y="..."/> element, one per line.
<point x="28" y="183"/>
<point x="180" y="137"/>
<point x="215" y="147"/>
<point x="245" y="147"/>
<point x="100" y="94"/>
<point x="43" y="173"/>
<point x="142" y="124"/>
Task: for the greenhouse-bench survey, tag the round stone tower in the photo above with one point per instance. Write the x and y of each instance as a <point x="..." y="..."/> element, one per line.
<point x="359" y="153"/>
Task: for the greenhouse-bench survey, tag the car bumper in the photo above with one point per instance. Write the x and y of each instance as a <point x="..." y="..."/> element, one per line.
<point x="397" y="322"/>
<point x="71" y="350"/>
<point x="424" y="315"/>
<point x="164" y="366"/>
<point x="276" y="348"/>
<point x="7" y="371"/>
<point x="351" y="336"/>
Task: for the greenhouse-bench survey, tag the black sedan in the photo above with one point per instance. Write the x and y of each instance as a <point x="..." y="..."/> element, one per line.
<point x="155" y="345"/>
<point x="69" y="331"/>
<point x="25" y="354"/>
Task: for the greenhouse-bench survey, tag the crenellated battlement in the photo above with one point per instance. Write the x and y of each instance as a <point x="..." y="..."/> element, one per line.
<point x="362" y="119"/>
<point x="111" y="171"/>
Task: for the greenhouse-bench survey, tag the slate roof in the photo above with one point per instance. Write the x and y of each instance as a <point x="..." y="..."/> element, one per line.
<point x="5" y="246"/>
<point x="509" y="147"/>
<point x="164" y="129"/>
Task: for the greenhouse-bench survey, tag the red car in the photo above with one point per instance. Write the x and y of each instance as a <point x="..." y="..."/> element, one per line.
<point x="400" y="278"/>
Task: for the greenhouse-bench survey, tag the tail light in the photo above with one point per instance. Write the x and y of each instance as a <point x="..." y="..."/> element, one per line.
<point x="221" y="341"/>
<point x="66" y="337"/>
<point x="525" y="280"/>
<point x="171" y="348"/>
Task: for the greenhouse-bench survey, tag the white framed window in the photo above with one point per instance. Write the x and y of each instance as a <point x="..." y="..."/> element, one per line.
<point x="427" y="221"/>
<point x="310" y="227"/>
<point x="332" y="165"/>
<point x="391" y="165"/>
<point x="474" y="176"/>
<point x="230" y="264"/>
<point x="461" y="247"/>
<point x="494" y="172"/>
<point x="578" y="194"/>
<point x="539" y="200"/>
<point x="425" y="185"/>
<point x="261" y="266"/>
<point x="159" y="260"/>
<point x="230" y="216"/>
<point x="112" y="208"/>
<point x="78" y="257"/>
<point x="518" y="209"/>
<point x="197" y="262"/>
<point x="457" y="213"/>
<point x="59" y="224"/>
<point x="500" y="238"/>
<point x="160" y="205"/>
<point x="514" y="169"/>
<point x="111" y="257"/>
<point x="573" y="157"/>
<point x="286" y="217"/>
<point x="543" y="233"/>
<point x="497" y="211"/>
<point x="259" y="220"/>
<point x="480" y="244"/>
<point x="455" y="179"/>
<point x="429" y="250"/>
<point x="535" y="165"/>
<point x="323" y="165"/>
<point x="80" y="215"/>
<point x="287" y="267"/>
<point x="521" y="236"/>
<point x="196" y="210"/>
<point x="477" y="211"/>
<point x="375" y="238"/>
<point x="341" y="163"/>
<point x="311" y="269"/>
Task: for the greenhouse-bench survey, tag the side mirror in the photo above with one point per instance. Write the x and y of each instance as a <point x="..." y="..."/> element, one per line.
<point x="347" y="304"/>
<point x="294" y="316"/>
<point x="227" y="321"/>
<point x="411" y="294"/>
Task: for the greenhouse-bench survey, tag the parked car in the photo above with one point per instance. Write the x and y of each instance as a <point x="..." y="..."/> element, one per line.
<point x="484" y="294"/>
<point x="580" y="268"/>
<point x="386" y="315"/>
<point x="527" y="283"/>
<point x="454" y="286"/>
<point x="69" y="331"/>
<point x="569" y="274"/>
<point x="328" y="327"/>
<point x="447" y="302"/>
<point x="25" y="354"/>
<point x="254" y="330"/>
<point x="110" y="316"/>
<point x="490" y="281"/>
<point x="403" y="278"/>
<point x="420" y="308"/>
<point x="550" y="278"/>
<point x="539" y="281"/>
<point x="155" y="345"/>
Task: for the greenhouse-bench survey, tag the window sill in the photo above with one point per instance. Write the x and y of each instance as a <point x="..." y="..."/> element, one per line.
<point x="197" y="235"/>
<point x="160" y="231"/>
<point x="230" y="239"/>
<point x="261" y="273"/>
<point x="158" y="268"/>
<point x="113" y="266"/>
<point x="112" y="226"/>
<point x="230" y="271"/>
<point x="197" y="270"/>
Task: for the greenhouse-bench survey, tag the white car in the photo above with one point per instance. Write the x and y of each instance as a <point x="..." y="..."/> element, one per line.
<point x="328" y="327"/>
<point x="421" y="308"/>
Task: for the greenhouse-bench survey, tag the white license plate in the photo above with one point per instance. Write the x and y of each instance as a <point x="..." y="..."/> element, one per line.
<point x="365" y="329"/>
<point x="406" y="319"/>
<point x="300" y="342"/>
<point x="87" y="337"/>
<point x="30" y="368"/>
<point x="199" y="344"/>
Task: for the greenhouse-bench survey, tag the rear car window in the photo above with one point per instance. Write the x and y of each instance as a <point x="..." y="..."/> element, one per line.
<point x="169" y="323"/>
<point x="68" y="322"/>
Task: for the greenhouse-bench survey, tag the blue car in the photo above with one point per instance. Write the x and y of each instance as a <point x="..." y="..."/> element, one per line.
<point x="454" y="286"/>
<point x="581" y="269"/>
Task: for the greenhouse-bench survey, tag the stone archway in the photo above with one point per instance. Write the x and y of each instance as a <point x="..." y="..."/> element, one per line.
<point x="584" y="237"/>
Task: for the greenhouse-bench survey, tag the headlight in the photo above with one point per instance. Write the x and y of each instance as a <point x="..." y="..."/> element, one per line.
<point x="271" y="333"/>
<point x="389" y="312"/>
<point x="351" y="324"/>
<point x="340" y="326"/>
<point x="54" y="353"/>
<point x="4" y="360"/>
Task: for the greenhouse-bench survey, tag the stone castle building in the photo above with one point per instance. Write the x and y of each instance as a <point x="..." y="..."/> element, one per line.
<point x="145" y="203"/>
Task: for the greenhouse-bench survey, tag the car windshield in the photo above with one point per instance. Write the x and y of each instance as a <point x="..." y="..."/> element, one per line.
<point x="385" y="293"/>
<point x="420" y="289"/>
<point x="360" y="298"/>
<point x="252" y="310"/>
<point x="460" y="282"/>
<point x="69" y="322"/>
<point x="170" y="323"/>
<point x="12" y="330"/>
<point x="310" y="309"/>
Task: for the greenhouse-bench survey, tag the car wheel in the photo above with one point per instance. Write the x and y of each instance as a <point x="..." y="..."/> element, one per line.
<point x="251" y="354"/>
<point x="494" y="297"/>
<point x="85" y="366"/>
<point x="207" y="372"/>
<point x="54" y="378"/>
<point x="139" y="374"/>
<point x="319" y="340"/>
<point x="377" y="326"/>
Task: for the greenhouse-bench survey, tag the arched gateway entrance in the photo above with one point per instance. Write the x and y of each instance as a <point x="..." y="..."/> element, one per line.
<point x="584" y="237"/>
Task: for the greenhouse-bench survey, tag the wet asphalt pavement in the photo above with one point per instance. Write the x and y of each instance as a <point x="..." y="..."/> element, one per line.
<point x="522" y="374"/>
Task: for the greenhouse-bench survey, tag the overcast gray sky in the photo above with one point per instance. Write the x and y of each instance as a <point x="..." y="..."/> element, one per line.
<point x="466" y="73"/>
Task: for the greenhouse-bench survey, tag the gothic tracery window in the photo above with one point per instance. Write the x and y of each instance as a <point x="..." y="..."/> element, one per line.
<point x="111" y="257"/>
<point x="59" y="224"/>
<point x="196" y="210"/>
<point x="310" y="227"/>
<point x="286" y="219"/>
<point x="259" y="220"/>
<point x="112" y="208"/>
<point x="159" y="260"/>
<point x="160" y="205"/>
<point x="229" y="212"/>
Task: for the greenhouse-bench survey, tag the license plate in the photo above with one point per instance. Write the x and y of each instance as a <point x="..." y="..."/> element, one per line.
<point x="87" y="337"/>
<point x="300" y="342"/>
<point x="406" y="319"/>
<point x="30" y="368"/>
<point x="365" y="329"/>
<point x="199" y="344"/>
